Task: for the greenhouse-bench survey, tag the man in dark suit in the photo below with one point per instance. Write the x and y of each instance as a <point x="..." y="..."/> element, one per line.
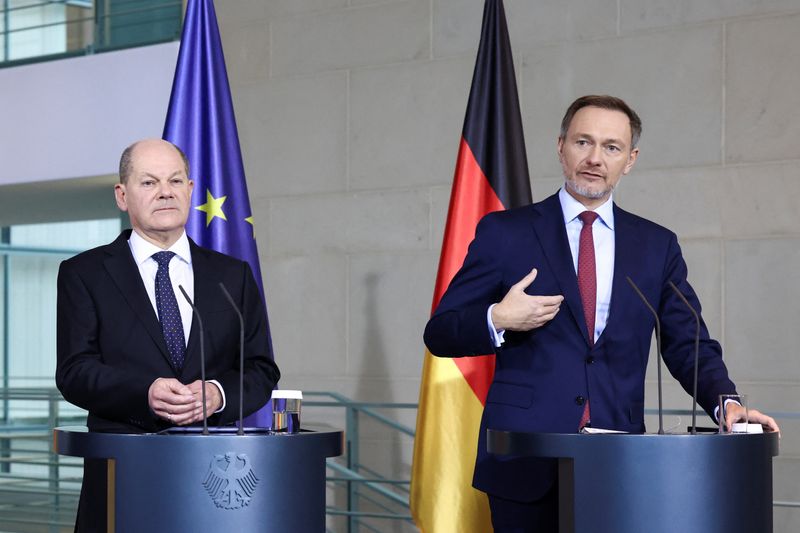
<point x="128" y="344"/>
<point x="543" y="287"/>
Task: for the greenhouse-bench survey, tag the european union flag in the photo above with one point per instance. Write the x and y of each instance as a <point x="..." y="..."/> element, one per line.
<point x="201" y="122"/>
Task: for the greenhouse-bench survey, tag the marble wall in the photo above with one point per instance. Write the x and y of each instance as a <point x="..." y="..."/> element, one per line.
<point x="350" y="113"/>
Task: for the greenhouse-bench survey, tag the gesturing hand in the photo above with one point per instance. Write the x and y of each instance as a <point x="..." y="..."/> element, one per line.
<point x="518" y="311"/>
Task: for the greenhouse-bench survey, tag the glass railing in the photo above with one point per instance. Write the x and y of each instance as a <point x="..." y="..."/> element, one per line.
<point x="41" y="30"/>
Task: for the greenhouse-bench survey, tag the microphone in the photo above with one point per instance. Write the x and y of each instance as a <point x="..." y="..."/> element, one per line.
<point x="202" y="358"/>
<point x="241" y="355"/>
<point x="658" y="350"/>
<point x="696" y="354"/>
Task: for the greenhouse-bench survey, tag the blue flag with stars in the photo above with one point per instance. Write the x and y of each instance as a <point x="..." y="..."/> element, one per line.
<point x="200" y="120"/>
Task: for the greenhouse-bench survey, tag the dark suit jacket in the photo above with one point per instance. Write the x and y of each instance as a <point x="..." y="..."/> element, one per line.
<point x="111" y="349"/>
<point x="542" y="376"/>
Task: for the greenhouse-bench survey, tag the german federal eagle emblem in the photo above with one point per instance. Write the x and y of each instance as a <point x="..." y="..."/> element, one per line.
<point x="230" y="480"/>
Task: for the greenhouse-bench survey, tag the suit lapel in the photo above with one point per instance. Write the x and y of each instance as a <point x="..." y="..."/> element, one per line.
<point x="123" y="271"/>
<point x="626" y="263"/>
<point x="204" y="285"/>
<point x="549" y="227"/>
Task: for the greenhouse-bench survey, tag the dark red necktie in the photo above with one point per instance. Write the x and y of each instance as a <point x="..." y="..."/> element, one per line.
<point x="587" y="284"/>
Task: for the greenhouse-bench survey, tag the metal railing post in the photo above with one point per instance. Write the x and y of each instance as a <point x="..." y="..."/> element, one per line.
<point x="5" y="238"/>
<point x="55" y="471"/>
<point x="351" y="436"/>
<point x="5" y="443"/>
<point x="6" y="22"/>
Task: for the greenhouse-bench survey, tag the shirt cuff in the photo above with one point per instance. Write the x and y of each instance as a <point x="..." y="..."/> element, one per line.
<point x="716" y="409"/>
<point x="497" y="335"/>
<point x="221" y="392"/>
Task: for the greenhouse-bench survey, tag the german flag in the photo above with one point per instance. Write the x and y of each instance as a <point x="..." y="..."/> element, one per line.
<point x="491" y="175"/>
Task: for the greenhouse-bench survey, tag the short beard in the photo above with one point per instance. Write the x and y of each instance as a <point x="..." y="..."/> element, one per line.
<point x="586" y="192"/>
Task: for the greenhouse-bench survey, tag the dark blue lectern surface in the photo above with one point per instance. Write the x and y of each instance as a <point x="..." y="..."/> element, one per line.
<point x="613" y="483"/>
<point x="218" y="482"/>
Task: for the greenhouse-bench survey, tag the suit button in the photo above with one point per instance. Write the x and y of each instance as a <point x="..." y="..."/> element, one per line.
<point x="589" y="360"/>
<point x="580" y="400"/>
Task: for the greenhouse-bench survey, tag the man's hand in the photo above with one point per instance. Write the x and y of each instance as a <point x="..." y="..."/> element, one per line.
<point x="213" y="398"/>
<point x="518" y="311"/>
<point x="736" y="413"/>
<point x="173" y="401"/>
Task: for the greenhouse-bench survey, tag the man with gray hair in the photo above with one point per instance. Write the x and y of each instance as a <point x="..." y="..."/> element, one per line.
<point x="128" y="348"/>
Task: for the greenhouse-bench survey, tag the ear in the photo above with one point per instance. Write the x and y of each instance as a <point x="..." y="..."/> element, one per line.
<point x="119" y="196"/>
<point x="560" y="149"/>
<point x="631" y="160"/>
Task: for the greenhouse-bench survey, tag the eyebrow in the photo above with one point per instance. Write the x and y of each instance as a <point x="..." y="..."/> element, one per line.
<point x="148" y="175"/>
<point x="605" y="141"/>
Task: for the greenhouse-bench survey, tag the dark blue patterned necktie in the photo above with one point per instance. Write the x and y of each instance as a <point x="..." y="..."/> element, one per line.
<point x="168" y="313"/>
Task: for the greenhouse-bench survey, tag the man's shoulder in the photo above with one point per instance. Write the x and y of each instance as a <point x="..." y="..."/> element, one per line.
<point x="98" y="254"/>
<point x="641" y="224"/>
<point x="212" y="268"/>
<point x="214" y="258"/>
<point x="524" y="214"/>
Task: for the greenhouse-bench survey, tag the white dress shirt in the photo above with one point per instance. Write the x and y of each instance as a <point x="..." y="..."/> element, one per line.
<point x="603" y="236"/>
<point x="180" y="273"/>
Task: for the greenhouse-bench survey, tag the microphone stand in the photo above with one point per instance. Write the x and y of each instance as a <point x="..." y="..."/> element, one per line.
<point x="696" y="354"/>
<point x="658" y="350"/>
<point x="241" y="355"/>
<point x="202" y="359"/>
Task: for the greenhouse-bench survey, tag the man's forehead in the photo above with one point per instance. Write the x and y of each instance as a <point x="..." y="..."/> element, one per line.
<point x="158" y="170"/>
<point x="600" y="114"/>
<point x="602" y="123"/>
<point x="154" y="148"/>
<point x="157" y="159"/>
<point x="157" y="175"/>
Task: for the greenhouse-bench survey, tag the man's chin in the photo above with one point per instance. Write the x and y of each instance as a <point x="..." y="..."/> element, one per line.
<point x="168" y="217"/>
<point x="167" y="225"/>
<point x="590" y="193"/>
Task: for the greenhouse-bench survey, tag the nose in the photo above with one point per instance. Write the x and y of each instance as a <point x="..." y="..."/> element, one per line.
<point x="594" y="156"/>
<point x="164" y="190"/>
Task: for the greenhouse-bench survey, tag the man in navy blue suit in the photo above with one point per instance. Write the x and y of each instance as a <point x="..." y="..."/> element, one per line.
<point x="544" y="288"/>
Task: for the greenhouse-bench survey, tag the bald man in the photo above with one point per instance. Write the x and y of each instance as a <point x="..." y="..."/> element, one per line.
<point x="128" y="348"/>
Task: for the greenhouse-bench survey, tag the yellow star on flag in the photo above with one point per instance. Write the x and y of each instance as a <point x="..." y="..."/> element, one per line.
<point x="252" y="223"/>
<point x="213" y="207"/>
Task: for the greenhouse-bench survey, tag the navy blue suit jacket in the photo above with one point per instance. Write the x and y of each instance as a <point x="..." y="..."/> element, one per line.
<point x="542" y="375"/>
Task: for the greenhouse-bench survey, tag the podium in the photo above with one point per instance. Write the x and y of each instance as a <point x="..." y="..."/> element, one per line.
<point x="624" y="483"/>
<point x="217" y="482"/>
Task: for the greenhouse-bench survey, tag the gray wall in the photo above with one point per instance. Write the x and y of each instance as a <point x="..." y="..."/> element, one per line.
<point x="350" y="113"/>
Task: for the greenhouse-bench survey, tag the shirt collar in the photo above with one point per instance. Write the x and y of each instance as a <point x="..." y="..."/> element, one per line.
<point x="572" y="208"/>
<point x="143" y="250"/>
